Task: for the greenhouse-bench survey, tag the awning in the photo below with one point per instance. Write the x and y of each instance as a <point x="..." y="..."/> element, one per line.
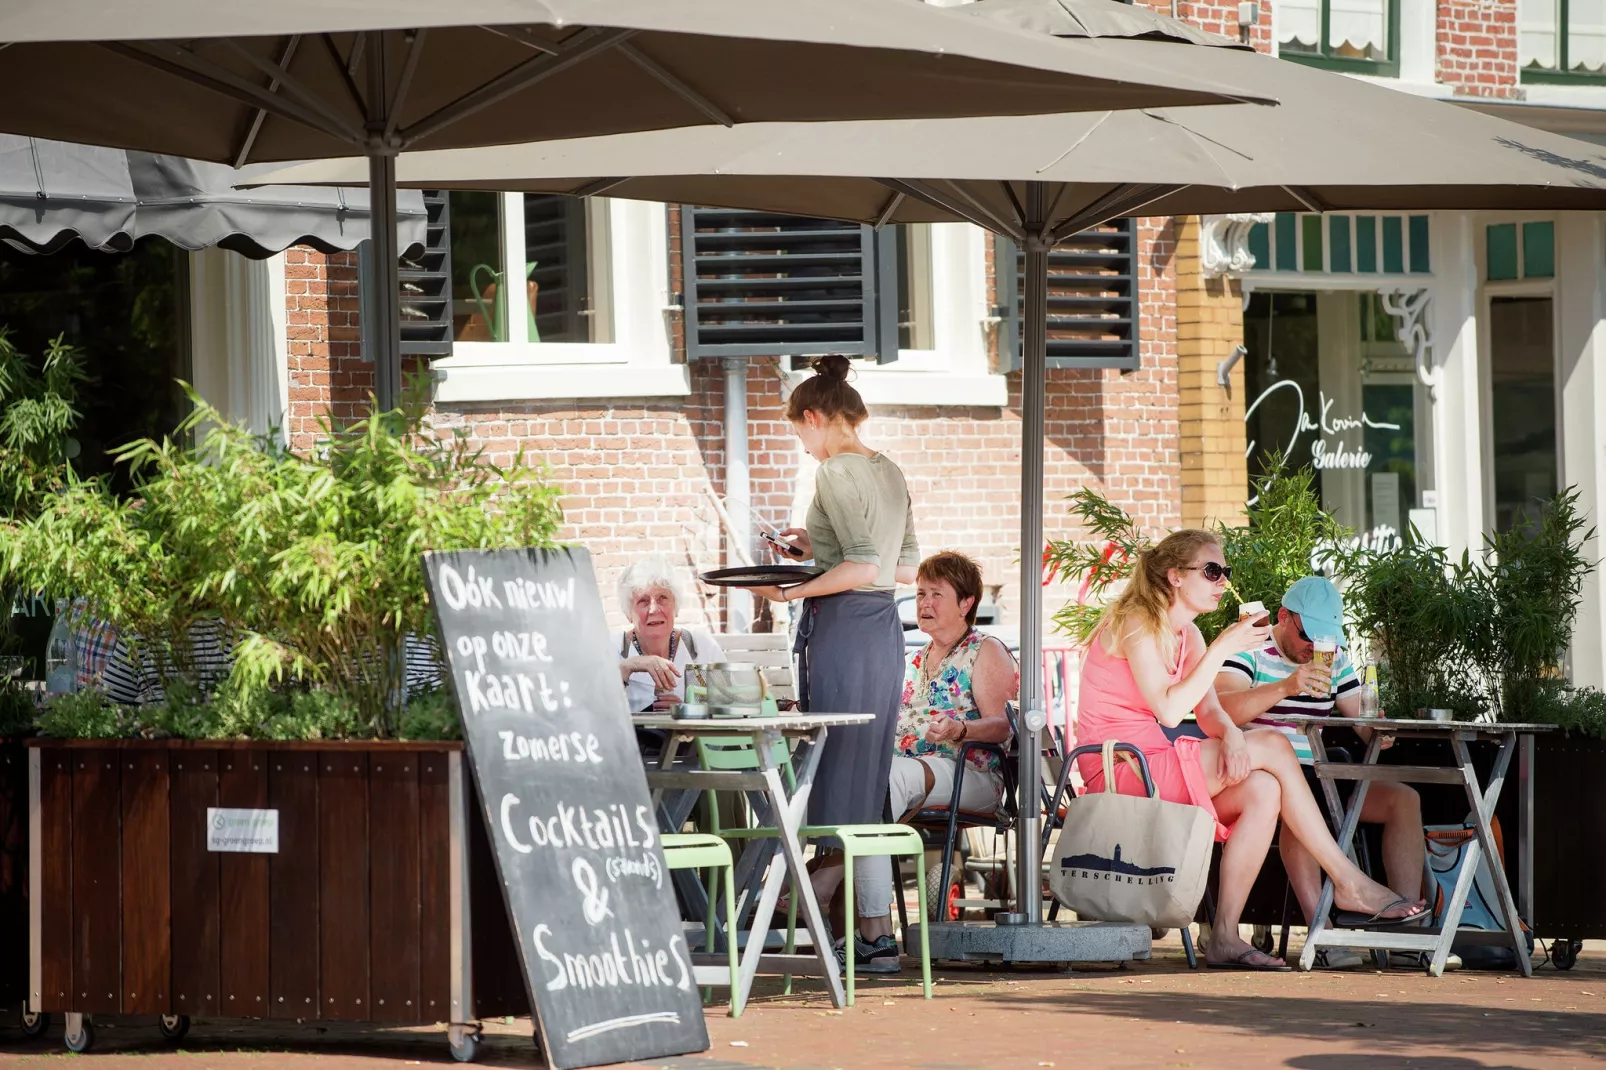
<point x="52" y="192"/>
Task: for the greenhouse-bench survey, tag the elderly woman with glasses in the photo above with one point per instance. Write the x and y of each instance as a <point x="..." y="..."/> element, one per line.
<point x="653" y="653"/>
<point x="1146" y="668"/>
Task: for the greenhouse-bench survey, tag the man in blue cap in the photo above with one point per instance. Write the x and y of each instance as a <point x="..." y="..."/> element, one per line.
<point x="1285" y="677"/>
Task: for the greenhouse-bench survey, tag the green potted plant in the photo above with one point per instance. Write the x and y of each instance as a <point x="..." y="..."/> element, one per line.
<point x="308" y="567"/>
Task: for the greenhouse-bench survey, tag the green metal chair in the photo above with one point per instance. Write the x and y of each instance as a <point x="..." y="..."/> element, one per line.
<point x="864" y="841"/>
<point x="728" y="753"/>
<point x="696" y="850"/>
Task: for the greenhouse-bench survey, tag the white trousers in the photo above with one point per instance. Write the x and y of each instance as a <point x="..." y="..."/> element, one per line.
<point x="872" y="877"/>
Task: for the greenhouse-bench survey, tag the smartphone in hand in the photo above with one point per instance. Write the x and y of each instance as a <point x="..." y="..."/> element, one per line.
<point x="781" y="544"/>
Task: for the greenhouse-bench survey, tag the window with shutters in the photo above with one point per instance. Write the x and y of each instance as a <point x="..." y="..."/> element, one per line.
<point x="556" y="297"/>
<point x="759" y="285"/>
<point x="1092" y="299"/>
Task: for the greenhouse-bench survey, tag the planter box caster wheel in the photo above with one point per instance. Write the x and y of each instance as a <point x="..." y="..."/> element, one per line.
<point x="80" y="1033"/>
<point x="174" y="1027"/>
<point x="1564" y="953"/>
<point x="465" y="1042"/>
<point x="35" y="1024"/>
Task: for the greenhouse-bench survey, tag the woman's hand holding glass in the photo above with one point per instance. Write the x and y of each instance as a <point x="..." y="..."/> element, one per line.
<point x="1240" y="638"/>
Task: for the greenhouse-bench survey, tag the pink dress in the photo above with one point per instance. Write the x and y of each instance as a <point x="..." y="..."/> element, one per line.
<point x="1112" y="707"/>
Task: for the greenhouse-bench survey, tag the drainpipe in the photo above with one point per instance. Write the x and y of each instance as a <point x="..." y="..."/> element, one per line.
<point x="738" y="489"/>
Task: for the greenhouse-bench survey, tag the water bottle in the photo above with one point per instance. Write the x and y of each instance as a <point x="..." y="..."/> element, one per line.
<point x="61" y="657"/>
<point x="1371" y="706"/>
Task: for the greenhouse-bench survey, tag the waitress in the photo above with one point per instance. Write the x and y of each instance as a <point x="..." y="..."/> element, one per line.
<point x="849" y="639"/>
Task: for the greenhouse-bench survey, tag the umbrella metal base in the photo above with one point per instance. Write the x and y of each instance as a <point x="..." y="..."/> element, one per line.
<point x="1049" y="941"/>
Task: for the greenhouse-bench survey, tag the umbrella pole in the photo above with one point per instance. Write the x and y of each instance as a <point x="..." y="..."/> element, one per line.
<point x="1033" y="384"/>
<point x="385" y="332"/>
<point x="1023" y="936"/>
<point x="385" y="301"/>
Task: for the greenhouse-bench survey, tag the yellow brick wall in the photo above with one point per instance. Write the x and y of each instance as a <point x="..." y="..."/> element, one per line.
<point x="1209" y="324"/>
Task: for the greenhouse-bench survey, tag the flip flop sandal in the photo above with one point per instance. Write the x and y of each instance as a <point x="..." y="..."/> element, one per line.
<point x="1243" y="964"/>
<point x="1348" y="919"/>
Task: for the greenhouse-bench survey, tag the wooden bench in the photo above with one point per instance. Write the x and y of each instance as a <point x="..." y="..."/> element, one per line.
<point x="771" y="652"/>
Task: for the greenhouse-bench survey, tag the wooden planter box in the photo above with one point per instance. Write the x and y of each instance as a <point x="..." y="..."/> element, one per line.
<point x="13" y="879"/>
<point x="365" y="914"/>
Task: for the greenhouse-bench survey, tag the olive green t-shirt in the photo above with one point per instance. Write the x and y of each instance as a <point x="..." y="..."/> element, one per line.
<point x="861" y="512"/>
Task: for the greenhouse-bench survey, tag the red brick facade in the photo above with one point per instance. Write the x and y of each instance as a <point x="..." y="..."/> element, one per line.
<point x="1477" y="51"/>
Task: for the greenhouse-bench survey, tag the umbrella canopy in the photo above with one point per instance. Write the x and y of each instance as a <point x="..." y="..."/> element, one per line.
<point x="1336" y="143"/>
<point x="293" y="79"/>
<point x="52" y="192"/>
<point x="242" y="81"/>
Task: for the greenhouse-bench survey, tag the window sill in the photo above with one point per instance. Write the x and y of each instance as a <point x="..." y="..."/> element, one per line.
<point x="1340" y="65"/>
<point x="892" y="385"/>
<point x="465" y="380"/>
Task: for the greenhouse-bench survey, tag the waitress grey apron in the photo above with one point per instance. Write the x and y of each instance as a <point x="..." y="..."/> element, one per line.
<point x="850" y="660"/>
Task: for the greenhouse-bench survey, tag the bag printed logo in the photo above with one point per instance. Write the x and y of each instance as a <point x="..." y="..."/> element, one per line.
<point x="1097" y="867"/>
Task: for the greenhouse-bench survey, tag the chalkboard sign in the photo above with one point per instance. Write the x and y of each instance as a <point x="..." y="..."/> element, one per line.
<point x="565" y="798"/>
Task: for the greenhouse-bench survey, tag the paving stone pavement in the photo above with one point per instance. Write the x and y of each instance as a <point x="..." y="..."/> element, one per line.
<point x="1155" y="1014"/>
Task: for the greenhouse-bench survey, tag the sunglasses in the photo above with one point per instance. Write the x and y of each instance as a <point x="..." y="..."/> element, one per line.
<point x="1213" y="571"/>
<point x="1301" y="630"/>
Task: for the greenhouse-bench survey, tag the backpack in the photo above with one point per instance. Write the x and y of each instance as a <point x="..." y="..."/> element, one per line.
<point x="1446" y="853"/>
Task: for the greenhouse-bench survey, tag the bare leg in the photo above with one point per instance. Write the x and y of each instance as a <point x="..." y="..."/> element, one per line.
<point x="1398" y="808"/>
<point x="1270" y="750"/>
<point x="1251" y="807"/>
<point x="1304" y="875"/>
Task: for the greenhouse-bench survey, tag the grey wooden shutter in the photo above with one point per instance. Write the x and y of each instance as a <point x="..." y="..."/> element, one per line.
<point x="426" y="285"/>
<point x="1092" y="299"/>
<point x="555" y="239"/>
<point x="758" y="284"/>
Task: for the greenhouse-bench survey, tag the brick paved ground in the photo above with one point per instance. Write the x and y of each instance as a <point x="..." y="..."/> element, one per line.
<point x="1152" y="1015"/>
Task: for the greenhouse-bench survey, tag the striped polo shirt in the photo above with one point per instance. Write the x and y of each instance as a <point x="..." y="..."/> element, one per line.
<point x="1268" y="666"/>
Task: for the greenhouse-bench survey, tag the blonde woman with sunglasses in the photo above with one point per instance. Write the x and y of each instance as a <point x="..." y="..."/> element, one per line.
<point x="1146" y="668"/>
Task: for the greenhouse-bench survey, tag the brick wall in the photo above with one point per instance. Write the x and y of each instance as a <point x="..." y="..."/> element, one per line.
<point x="1477" y="47"/>
<point x="1209" y="325"/>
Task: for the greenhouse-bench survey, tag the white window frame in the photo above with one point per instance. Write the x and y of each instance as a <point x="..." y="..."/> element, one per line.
<point x="629" y="265"/>
<point x="957" y="369"/>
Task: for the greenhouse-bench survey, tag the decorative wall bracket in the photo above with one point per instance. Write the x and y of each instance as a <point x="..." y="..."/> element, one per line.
<point x="1412" y="308"/>
<point x="1224" y="242"/>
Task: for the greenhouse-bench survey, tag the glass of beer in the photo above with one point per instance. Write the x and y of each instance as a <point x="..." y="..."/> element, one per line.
<point x="1325" y="654"/>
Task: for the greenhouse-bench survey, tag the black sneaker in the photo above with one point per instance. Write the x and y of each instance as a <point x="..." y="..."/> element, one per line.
<point x="879" y="957"/>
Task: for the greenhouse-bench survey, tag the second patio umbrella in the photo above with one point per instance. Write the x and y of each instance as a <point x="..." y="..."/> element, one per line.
<point x="1335" y="144"/>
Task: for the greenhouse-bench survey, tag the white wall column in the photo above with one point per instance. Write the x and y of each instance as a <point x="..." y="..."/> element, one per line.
<point x="1581" y="372"/>
<point x="1458" y="396"/>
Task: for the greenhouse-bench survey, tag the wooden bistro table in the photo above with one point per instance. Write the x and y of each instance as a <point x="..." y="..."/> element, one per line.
<point x="787" y="810"/>
<point x="1481" y="802"/>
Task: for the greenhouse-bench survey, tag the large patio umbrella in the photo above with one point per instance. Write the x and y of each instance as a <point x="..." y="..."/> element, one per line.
<point x="54" y="192"/>
<point x="241" y="81"/>
<point x="1335" y="144"/>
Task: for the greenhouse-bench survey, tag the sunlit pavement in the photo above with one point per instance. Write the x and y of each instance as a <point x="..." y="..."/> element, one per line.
<point x="1155" y="1014"/>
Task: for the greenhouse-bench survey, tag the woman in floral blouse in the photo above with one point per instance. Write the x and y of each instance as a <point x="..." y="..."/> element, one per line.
<point x="954" y="691"/>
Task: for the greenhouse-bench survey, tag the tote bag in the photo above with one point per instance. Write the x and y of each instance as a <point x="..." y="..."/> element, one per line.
<point x="1131" y="858"/>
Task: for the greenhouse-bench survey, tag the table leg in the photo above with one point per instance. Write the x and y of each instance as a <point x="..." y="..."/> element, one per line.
<point x="1345" y="838"/>
<point x="1525" y="830"/>
<point x="1483" y="804"/>
<point x="788" y="818"/>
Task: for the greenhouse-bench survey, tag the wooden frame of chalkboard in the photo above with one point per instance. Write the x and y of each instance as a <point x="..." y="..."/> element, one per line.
<point x="564" y="795"/>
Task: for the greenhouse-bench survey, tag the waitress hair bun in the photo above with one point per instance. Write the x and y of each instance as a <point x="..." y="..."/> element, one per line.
<point x="832" y="366"/>
<point x="827" y="393"/>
